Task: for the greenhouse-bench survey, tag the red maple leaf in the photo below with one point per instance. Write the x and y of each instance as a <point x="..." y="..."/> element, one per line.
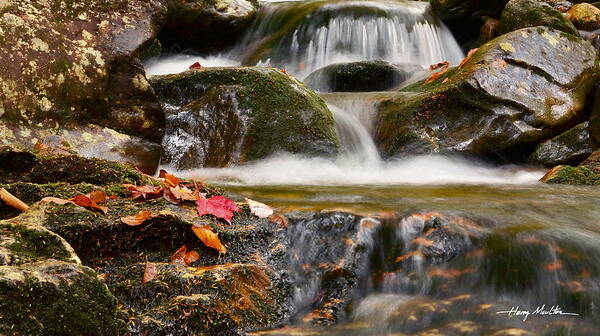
<point x="217" y="206"/>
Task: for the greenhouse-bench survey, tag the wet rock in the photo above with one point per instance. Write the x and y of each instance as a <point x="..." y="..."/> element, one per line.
<point x="76" y="62"/>
<point x="206" y="25"/>
<point x="54" y="297"/>
<point x="360" y="76"/>
<point x="594" y="126"/>
<point x="489" y="30"/>
<point x="463" y="9"/>
<point x="531" y="13"/>
<point x="585" y="16"/>
<point x="89" y="140"/>
<point x="513" y="332"/>
<point x="24" y="166"/>
<point x="570" y="148"/>
<point x="572" y="175"/>
<point x="261" y="110"/>
<point x="512" y="93"/>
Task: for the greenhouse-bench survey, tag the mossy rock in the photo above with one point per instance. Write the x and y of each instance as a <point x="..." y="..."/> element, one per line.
<point x="585" y="16"/>
<point x="570" y="147"/>
<point x="24" y="166"/>
<point x="261" y="110"/>
<point x="572" y="175"/>
<point x="531" y="13"/>
<point x="206" y="25"/>
<point x="360" y="76"/>
<point x="512" y="93"/>
<point x="77" y="64"/>
<point x="53" y="297"/>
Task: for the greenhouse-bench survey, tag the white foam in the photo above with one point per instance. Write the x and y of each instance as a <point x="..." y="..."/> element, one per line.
<point x="285" y="169"/>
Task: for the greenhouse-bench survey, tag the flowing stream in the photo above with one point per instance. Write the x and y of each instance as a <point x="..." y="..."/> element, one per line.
<point x="506" y="240"/>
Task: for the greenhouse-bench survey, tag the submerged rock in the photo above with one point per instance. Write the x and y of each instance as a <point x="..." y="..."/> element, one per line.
<point x="531" y="13"/>
<point x="510" y="94"/>
<point x="585" y="16"/>
<point x="206" y="25"/>
<point x="76" y="61"/>
<point x="360" y="76"/>
<point x="570" y="147"/>
<point x="224" y="116"/>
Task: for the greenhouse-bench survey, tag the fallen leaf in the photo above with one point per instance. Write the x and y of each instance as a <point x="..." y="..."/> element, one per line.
<point x="209" y="238"/>
<point x="466" y="59"/>
<point x="183" y="194"/>
<point x="86" y="202"/>
<point x="145" y="192"/>
<point x="191" y="257"/>
<point x="149" y="272"/>
<point x="195" y="66"/>
<point x="179" y="255"/>
<point x="170" y="180"/>
<point x="408" y="255"/>
<point x="554" y="266"/>
<point x="279" y="219"/>
<point x="97" y="196"/>
<point x="138" y="218"/>
<point x="422" y="241"/>
<point x="56" y="200"/>
<point x="217" y="206"/>
<point x="435" y="76"/>
<point x="441" y="65"/>
<point x="258" y="209"/>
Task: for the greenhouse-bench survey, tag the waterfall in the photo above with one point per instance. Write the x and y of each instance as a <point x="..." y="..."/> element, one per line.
<point x="304" y="36"/>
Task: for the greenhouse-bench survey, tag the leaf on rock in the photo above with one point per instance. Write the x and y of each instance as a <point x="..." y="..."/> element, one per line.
<point x="279" y="219"/>
<point x="149" y="272"/>
<point x="209" y="238"/>
<point x="435" y="76"/>
<point x="217" y="206"/>
<point x="258" y="209"/>
<point x="146" y="192"/>
<point x="179" y="256"/>
<point x="168" y="179"/>
<point x="56" y="200"/>
<point x="86" y="202"/>
<point x="195" y="66"/>
<point x="191" y="257"/>
<point x="466" y="59"/>
<point x="138" y="218"/>
<point x="97" y="196"/>
<point x="441" y="65"/>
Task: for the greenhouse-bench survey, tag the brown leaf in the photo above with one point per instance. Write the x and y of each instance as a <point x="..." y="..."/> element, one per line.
<point x="86" y="202"/>
<point x="466" y="59"/>
<point x="441" y="65"/>
<point x="258" y="209"/>
<point x="56" y="200"/>
<point x="149" y="272"/>
<point x="209" y="238"/>
<point x="191" y="257"/>
<point x="422" y="241"/>
<point x="435" y="76"/>
<point x="170" y="180"/>
<point x="146" y="192"/>
<point x="97" y="196"/>
<point x="408" y="255"/>
<point x="179" y="256"/>
<point x="183" y="194"/>
<point x="279" y="219"/>
<point x="138" y="218"/>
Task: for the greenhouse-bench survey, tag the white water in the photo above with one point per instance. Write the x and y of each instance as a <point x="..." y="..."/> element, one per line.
<point x="287" y="169"/>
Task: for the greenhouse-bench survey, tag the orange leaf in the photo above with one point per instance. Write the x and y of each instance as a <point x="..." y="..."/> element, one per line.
<point x="179" y="255"/>
<point x="408" y="255"/>
<point x="97" y="196"/>
<point x="435" y="76"/>
<point x="138" y="218"/>
<point x="170" y="180"/>
<point x="551" y="267"/>
<point x="149" y="272"/>
<point x="441" y="65"/>
<point x="422" y="241"/>
<point x="56" y="200"/>
<point x="86" y="202"/>
<point x="466" y="59"/>
<point x="145" y="192"/>
<point x="190" y="257"/>
<point x="209" y="238"/>
<point x="278" y="219"/>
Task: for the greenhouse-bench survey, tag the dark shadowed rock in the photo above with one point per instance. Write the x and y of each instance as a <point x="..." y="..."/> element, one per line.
<point x="360" y="76"/>
<point x="512" y="93"/>
<point x="206" y="24"/>
<point x="463" y="9"/>
<point x="224" y="116"/>
<point x="531" y="13"/>
<point x="570" y="147"/>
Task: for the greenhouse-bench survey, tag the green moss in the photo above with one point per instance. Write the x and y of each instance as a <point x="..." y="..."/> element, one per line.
<point x="33" y="244"/>
<point x="531" y="13"/>
<point x="575" y="176"/>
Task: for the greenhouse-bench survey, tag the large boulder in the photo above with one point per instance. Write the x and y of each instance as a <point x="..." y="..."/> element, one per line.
<point x="206" y="25"/>
<point x="77" y="61"/>
<point x="530" y="13"/>
<point x="512" y="93"/>
<point x="360" y="76"/>
<point x="224" y="116"/>
<point x="585" y="16"/>
<point x="570" y="147"/>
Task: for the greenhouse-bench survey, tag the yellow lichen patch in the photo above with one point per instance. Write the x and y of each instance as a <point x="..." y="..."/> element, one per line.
<point x="45" y="104"/>
<point x="553" y="41"/>
<point x="507" y="47"/>
<point x="140" y="82"/>
<point x="39" y="45"/>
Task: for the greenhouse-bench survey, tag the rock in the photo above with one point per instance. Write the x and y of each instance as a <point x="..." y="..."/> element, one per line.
<point x="489" y="30"/>
<point x="463" y="9"/>
<point x="594" y="126"/>
<point x="75" y="62"/>
<point x="570" y="147"/>
<point x="206" y="25"/>
<point x="89" y="140"/>
<point x="572" y="175"/>
<point x="531" y="13"/>
<point x="360" y="76"/>
<point x="512" y="93"/>
<point x="585" y="16"/>
<point x="54" y="297"/>
<point x="225" y="116"/>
